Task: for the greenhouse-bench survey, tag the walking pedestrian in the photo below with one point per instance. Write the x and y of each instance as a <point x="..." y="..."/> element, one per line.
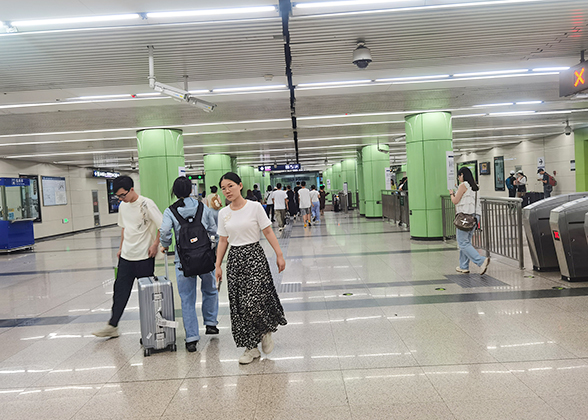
<point x="269" y="203"/>
<point x="305" y="203"/>
<point x="545" y="180"/>
<point x="315" y="203"/>
<point x="255" y="307"/>
<point x="292" y="206"/>
<point x="214" y="203"/>
<point x="280" y="198"/>
<point x="323" y="199"/>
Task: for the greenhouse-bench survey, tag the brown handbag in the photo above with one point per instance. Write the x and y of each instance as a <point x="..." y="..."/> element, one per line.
<point x="464" y="221"/>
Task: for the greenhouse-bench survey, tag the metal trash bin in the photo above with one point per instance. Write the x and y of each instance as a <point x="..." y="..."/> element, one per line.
<point x="569" y="237"/>
<point x="538" y="230"/>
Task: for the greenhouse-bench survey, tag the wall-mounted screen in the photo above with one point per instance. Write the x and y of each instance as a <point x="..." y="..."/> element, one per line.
<point x="499" y="173"/>
<point x="113" y="201"/>
<point x="54" y="192"/>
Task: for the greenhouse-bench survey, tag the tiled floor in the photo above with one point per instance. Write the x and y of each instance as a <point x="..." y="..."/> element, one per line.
<point x="377" y="330"/>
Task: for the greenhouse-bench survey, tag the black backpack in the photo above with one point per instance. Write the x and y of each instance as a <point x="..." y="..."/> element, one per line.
<point x="193" y="244"/>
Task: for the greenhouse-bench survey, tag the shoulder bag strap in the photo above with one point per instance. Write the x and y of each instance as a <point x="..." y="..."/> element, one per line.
<point x="174" y="209"/>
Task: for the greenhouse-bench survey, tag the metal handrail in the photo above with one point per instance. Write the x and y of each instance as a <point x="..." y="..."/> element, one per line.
<point x="501" y="227"/>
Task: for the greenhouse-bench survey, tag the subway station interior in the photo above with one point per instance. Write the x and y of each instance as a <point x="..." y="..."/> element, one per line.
<point x="358" y="96"/>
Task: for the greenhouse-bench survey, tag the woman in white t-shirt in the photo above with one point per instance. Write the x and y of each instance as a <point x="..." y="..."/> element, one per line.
<point x="256" y="310"/>
<point x="467" y="201"/>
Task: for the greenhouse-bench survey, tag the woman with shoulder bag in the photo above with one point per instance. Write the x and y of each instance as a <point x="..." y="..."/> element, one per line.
<point x="467" y="203"/>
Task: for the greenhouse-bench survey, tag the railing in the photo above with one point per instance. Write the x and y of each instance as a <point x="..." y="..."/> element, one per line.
<point x="395" y="206"/>
<point x="501" y="230"/>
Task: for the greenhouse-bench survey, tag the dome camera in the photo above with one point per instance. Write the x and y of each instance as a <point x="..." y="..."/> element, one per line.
<point x="362" y="56"/>
<point x="568" y="129"/>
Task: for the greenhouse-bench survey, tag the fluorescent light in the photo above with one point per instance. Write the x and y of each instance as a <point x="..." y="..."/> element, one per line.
<point x="347" y="82"/>
<point x="529" y="103"/>
<point x="468" y="116"/>
<point x="199" y="91"/>
<point x="491" y="73"/>
<point x="314" y="5"/>
<point x="510" y="114"/>
<point x="87" y="98"/>
<point x="141" y="95"/>
<point x="248" y="88"/>
<point x="552" y="69"/>
<point x="554" y="112"/>
<point x="402" y="79"/>
<point x="214" y="12"/>
<point x="85" y="152"/>
<point x="502" y="104"/>
<point x="31" y="143"/>
<point x="85" y="19"/>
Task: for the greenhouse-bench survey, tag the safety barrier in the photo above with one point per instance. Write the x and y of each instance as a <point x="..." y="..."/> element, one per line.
<point x="395" y="206"/>
<point x="501" y="227"/>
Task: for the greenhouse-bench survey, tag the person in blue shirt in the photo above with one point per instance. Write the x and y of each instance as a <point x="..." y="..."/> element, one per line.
<point x="510" y="185"/>
<point x="187" y="286"/>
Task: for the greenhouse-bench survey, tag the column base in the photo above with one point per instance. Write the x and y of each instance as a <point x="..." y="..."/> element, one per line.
<point x="416" y="238"/>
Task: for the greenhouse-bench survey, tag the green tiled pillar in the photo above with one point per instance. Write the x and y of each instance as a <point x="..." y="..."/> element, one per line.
<point x="337" y="184"/>
<point x="428" y="138"/>
<point x="216" y="166"/>
<point x="328" y="181"/>
<point x="360" y="185"/>
<point x="374" y="163"/>
<point x="247" y="175"/>
<point x="161" y="154"/>
<point x="349" y="175"/>
<point x="581" y="156"/>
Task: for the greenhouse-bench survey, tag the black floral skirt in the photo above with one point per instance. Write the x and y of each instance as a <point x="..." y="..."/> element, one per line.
<point x="253" y="299"/>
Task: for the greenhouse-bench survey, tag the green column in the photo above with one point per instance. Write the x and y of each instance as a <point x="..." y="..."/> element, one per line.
<point x="581" y="156"/>
<point x="360" y="185"/>
<point x="338" y="184"/>
<point x="327" y="180"/>
<point x="349" y="175"/>
<point x="161" y="154"/>
<point x="428" y="138"/>
<point x="374" y="163"/>
<point x="216" y="166"/>
<point x="247" y="175"/>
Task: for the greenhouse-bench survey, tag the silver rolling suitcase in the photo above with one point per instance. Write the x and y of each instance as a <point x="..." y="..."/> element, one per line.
<point x="157" y="313"/>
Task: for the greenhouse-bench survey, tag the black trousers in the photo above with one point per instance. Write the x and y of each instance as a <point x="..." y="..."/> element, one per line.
<point x="269" y="209"/>
<point x="128" y="271"/>
<point x="512" y="193"/>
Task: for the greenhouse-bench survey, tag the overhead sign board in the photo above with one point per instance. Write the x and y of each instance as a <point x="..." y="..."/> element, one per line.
<point x="289" y="167"/>
<point x="105" y="174"/>
<point x="574" y="80"/>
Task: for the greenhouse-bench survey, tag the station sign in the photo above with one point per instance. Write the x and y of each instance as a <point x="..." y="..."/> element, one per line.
<point x="574" y="80"/>
<point x="15" y="182"/>
<point x="289" y="167"/>
<point x="105" y="174"/>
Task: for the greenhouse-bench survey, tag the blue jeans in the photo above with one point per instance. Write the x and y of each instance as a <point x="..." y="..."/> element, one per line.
<point x="316" y="213"/>
<point x="467" y="252"/>
<point x="187" y="287"/>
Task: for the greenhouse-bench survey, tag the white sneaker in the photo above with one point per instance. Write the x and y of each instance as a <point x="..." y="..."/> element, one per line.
<point x="108" y="331"/>
<point x="485" y="265"/>
<point x="249" y="356"/>
<point x="281" y="229"/>
<point x="267" y="344"/>
<point x="461" y="270"/>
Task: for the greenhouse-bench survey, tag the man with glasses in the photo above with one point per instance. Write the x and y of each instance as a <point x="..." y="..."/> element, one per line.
<point x="140" y="220"/>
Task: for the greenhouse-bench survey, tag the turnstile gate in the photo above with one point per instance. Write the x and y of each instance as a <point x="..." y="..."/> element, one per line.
<point x="569" y="238"/>
<point x="538" y="230"/>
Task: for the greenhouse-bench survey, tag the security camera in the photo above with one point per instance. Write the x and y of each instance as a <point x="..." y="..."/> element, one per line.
<point x="568" y="129"/>
<point x="203" y="105"/>
<point x="183" y="96"/>
<point x="362" y="56"/>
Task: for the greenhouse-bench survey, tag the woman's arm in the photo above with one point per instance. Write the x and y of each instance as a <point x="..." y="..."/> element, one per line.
<point x="456" y="198"/>
<point x="221" y="249"/>
<point x="271" y="238"/>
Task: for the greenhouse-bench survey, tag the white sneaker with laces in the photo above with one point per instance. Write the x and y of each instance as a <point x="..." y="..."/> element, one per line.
<point x="267" y="344"/>
<point x="249" y="356"/>
<point x="485" y="265"/>
<point x="108" y="331"/>
<point x="461" y="270"/>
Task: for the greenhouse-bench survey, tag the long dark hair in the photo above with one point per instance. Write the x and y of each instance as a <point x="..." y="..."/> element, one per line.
<point x="231" y="176"/>
<point x="182" y="188"/>
<point x="468" y="177"/>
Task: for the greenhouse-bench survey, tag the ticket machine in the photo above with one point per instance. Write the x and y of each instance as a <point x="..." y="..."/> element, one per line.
<point x="569" y="238"/>
<point x="16" y="214"/>
<point x="538" y="230"/>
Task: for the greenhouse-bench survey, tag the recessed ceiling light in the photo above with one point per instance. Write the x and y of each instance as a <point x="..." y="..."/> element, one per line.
<point x="214" y="12"/>
<point x="84" y="19"/>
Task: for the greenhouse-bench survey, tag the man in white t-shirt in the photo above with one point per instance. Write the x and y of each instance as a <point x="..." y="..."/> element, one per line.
<point x="305" y="203"/>
<point x="140" y="220"/>
<point x="280" y="199"/>
<point x="314" y="199"/>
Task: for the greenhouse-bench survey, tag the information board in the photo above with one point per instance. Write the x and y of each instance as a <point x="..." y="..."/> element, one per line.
<point x="54" y="192"/>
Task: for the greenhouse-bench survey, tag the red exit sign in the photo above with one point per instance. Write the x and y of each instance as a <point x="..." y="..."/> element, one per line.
<point x="574" y="80"/>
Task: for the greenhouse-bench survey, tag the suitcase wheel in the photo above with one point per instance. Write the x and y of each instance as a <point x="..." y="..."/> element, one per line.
<point x="173" y="347"/>
<point x="147" y="352"/>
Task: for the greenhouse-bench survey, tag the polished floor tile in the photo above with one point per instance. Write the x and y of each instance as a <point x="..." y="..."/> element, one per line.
<point x="375" y="330"/>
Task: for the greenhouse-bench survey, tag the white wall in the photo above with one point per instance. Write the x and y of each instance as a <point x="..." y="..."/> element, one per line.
<point x="557" y="151"/>
<point x="79" y="185"/>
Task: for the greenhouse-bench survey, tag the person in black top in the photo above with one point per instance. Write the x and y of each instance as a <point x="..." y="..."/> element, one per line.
<point x="292" y="206"/>
<point x="250" y="196"/>
<point x="257" y="193"/>
<point x="547" y="188"/>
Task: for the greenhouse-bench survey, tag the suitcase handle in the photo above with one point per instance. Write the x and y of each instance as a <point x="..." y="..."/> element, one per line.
<point x="166" y="268"/>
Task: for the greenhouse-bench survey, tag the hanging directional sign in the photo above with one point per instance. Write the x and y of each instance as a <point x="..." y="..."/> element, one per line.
<point x="574" y="80"/>
<point x="290" y="167"/>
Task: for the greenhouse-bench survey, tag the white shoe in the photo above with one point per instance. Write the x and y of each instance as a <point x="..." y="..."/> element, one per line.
<point x="249" y="356"/>
<point x="485" y="265"/>
<point x="267" y="344"/>
<point x="281" y="229"/>
<point x="108" y="331"/>
<point x="461" y="270"/>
